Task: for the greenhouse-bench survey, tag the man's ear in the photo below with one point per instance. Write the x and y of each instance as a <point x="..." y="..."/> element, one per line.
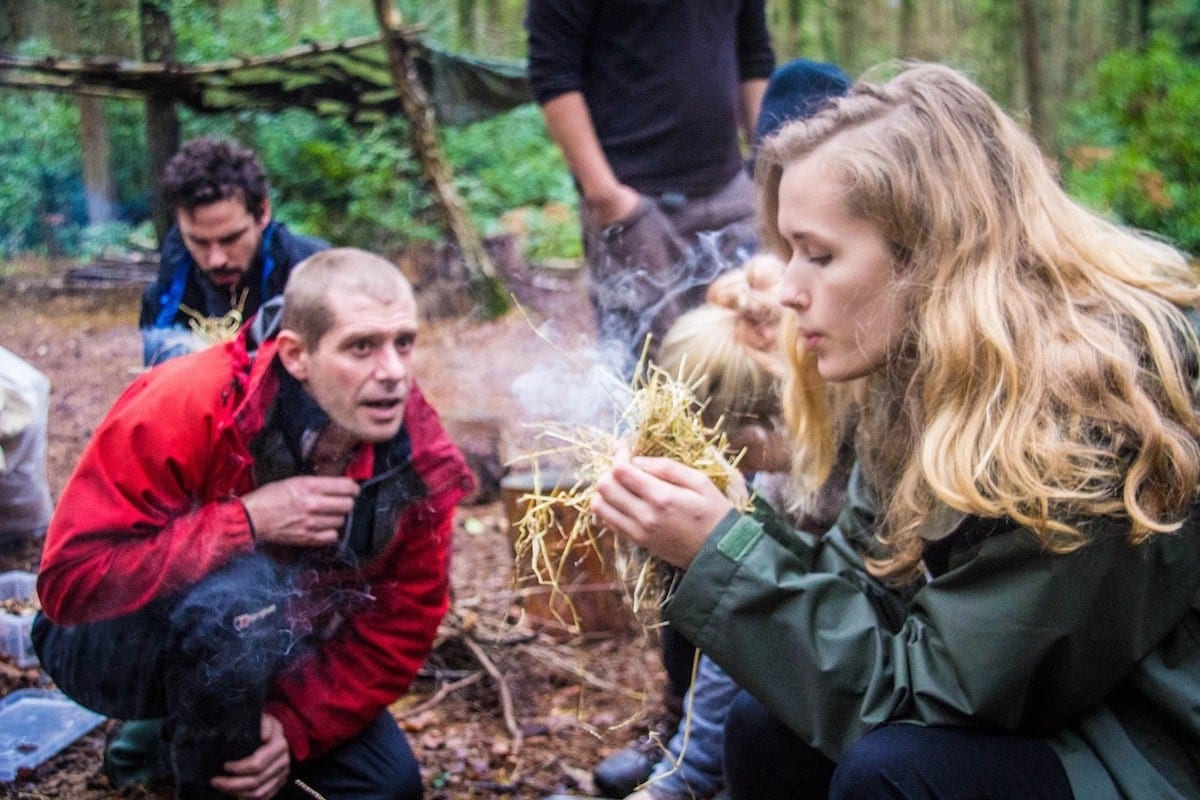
<point x="263" y="218"/>
<point x="292" y="354"/>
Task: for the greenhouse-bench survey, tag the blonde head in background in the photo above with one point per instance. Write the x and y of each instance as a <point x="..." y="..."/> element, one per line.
<point x="728" y="348"/>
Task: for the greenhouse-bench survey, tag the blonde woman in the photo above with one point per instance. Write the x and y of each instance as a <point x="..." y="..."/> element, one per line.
<point x="1026" y="621"/>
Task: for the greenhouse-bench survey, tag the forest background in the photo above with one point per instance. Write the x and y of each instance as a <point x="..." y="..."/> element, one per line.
<point x="1111" y="88"/>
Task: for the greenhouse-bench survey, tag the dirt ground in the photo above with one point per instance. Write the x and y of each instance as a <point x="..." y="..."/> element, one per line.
<point x="505" y="707"/>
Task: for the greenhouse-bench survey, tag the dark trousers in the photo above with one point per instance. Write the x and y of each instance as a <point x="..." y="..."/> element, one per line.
<point x="378" y="764"/>
<point x="678" y="658"/>
<point x="764" y="759"/>
<point x="203" y="660"/>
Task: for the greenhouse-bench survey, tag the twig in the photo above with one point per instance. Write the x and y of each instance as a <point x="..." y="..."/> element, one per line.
<point x="308" y="790"/>
<point x="506" y="703"/>
<point x="443" y="691"/>
<point x="662" y="418"/>
<point x="554" y="659"/>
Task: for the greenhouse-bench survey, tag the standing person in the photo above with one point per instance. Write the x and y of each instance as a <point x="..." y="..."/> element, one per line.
<point x="224" y="252"/>
<point x="645" y="102"/>
<point x="1024" y="621"/>
<point x="255" y="545"/>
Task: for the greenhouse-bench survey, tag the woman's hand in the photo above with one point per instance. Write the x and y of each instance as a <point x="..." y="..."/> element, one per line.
<point x="665" y="507"/>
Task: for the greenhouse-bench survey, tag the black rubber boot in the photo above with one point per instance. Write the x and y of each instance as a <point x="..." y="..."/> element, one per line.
<point x="625" y="770"/>
<point x="132" y="753"/>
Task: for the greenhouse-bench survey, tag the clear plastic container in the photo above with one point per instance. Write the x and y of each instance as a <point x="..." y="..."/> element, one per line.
<point x="35" y="724"/>
<point x="15" y="642"/>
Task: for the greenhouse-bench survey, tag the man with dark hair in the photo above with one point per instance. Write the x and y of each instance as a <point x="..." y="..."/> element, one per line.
<point x="255" y="546"/>
<point x="224" y="253"/>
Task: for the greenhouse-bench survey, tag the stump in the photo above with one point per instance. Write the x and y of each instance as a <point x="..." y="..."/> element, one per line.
<point x="588" y="598"/>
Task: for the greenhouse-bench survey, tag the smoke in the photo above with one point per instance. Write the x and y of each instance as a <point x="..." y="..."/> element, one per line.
<point x="632" y="304"/>
<point x="590" y="385"/>
<point x="576" y="390"/>
<point x="163" y="344"/>
<point x="234" y="632"/>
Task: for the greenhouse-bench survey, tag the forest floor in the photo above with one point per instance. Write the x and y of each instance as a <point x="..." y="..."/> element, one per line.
<point x="507" y="705"/>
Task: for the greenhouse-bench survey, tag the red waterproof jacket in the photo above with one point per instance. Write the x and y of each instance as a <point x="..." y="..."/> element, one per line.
<point x="153" y="507"/>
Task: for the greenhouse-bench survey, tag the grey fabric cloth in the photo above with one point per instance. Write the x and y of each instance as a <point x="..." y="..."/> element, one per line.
<point x="25" y="502"/>
<point x="647" y="270"/>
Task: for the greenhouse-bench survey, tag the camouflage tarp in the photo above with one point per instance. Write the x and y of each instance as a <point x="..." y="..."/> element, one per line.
<point x="348" y="79"/>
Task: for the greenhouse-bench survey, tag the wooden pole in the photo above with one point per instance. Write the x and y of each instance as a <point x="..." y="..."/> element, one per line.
<point x="162" y="118"/>
<point x="1031" y="50"/>
<point x="434" y="169"/>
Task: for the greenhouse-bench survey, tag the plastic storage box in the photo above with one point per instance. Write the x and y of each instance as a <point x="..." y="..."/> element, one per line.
<point x="15" y="642"/>
<point x="35" y="724"/>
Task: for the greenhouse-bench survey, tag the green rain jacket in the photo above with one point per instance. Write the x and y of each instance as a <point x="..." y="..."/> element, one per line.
<point x="1096" y="651"/>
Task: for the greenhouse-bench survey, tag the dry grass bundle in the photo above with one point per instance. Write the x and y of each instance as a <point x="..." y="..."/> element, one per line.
<point x="661" y="417"/>
<point x="214" y="330"/>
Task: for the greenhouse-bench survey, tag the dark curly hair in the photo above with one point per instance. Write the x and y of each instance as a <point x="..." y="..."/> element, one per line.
<point x="207" y="170"/>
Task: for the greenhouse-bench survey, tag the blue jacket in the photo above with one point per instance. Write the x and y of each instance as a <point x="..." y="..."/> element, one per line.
<point x="164" y="324"/>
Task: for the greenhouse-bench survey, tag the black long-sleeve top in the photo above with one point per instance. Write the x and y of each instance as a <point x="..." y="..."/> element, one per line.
<point x="661" y="80"/>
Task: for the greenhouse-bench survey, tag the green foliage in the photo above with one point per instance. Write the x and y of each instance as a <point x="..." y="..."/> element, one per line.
<point x="1182" y="19"/>
<point x="354" y="186"/>
<point x="509" y="162"/>
<point x="40" y="194"/>
<point x="349" y="185"/>
<point x="42" y="204"/>
<point x="115" y="238"/>
<point x="1132" y="148"/>
<point x="362" y="187"/>
<point x="207" y="31"/>
<point x="552" y="236"/>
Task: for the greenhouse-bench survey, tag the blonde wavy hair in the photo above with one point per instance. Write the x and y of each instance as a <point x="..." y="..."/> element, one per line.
<point x="1046" y="372"/>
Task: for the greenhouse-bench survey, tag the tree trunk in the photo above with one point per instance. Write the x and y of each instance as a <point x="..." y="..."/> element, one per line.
<point x="98" y="32"/>
<point x="797" y="39"/>
<point x="162" y="118"/>
<point x="848" y="27"/>
<point x="97" y="161"/>
<point x="908" y="46"/>
<point x="434" y="169"/>
<point x="1143" y="24"/>
<point x="1033" y="73"/>
<point x="465" y="20"/>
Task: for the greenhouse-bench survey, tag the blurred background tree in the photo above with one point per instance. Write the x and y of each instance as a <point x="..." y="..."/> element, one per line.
<point x="1111" y="88"/>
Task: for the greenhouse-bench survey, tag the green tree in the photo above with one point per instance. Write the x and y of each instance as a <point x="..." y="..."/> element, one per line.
<point x="1132" y="148"/>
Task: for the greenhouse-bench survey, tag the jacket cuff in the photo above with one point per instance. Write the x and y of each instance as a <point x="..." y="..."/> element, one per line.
<point x="293" y="730"/>
<point x="710" y="573"/>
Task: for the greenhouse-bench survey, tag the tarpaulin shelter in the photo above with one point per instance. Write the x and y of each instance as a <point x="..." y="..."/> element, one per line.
<point x="349" y="79"/>
<point x="363" y="80"/>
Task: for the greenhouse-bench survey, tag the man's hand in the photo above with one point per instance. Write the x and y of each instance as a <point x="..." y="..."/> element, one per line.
<point x="613" y="205"/>
<point x="305" y="511"/>
<point x="261" y="774"/>
<point x="767" y="449"/>
<point x="569" y="123"/>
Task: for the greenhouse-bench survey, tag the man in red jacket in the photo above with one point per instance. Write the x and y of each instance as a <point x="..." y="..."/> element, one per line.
<point x="255" y="545"/>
